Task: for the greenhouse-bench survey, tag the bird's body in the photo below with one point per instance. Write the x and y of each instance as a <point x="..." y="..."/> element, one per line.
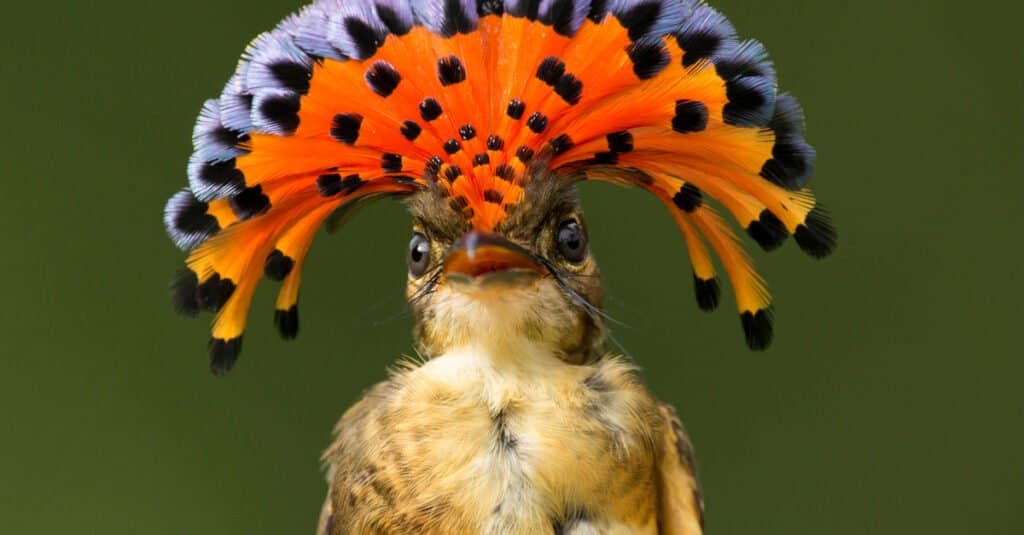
<point x="482" y="115"/>
<point x="473" y="442"/>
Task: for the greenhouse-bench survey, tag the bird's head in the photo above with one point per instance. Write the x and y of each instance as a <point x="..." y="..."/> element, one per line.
<point x="483" y="121"/>
<point x="529" y="279"/>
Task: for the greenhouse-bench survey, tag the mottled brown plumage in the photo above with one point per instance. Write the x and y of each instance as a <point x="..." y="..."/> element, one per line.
<point x="512" y="420"/>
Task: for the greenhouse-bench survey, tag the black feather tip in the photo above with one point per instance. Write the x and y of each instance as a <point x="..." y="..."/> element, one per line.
<point x="278" y="265"/>
<point x="649" y="59"/>
<point x="768" y="231"/>
<point x="757" y="327"/>
<point x="816" y="236"/>
<point x="287" y="322"/>
<point x="188" y="222"/>
<point x="214" y="292"/>
<point x="250" y="203"/>
<point x="707" y="292"/>
<point x="183" y="293"/>
<point x="224" y="354"/>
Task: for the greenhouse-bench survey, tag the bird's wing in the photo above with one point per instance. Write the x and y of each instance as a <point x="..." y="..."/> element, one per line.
<point x="361" y="482"/>
<point x="325" y="525"/>
<point x="680" y="507"/>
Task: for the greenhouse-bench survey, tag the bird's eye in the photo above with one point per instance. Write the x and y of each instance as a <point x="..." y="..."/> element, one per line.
<point x="572" y="241"/>
<point x="419" y="254"/>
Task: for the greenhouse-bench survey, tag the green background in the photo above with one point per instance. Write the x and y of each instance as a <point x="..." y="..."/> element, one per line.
<point x="890" y="403"/>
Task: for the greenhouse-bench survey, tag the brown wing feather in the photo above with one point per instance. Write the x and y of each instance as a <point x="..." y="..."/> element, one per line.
<point x="325" y="525"/>
<point x="681" y="506"/>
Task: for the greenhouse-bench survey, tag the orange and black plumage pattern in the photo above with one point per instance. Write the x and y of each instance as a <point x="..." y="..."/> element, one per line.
<point x="349" y="101"/>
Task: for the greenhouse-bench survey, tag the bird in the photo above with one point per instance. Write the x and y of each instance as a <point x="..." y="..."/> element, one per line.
<point x="484" y="117"/>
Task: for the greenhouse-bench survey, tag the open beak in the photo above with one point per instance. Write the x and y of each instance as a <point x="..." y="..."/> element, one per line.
<point x="488" y="260"/>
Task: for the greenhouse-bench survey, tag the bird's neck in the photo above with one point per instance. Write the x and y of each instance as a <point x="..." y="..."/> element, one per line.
<point x="504" y="327"/>
<point x="502" y="345"/>
<point x="520" y="357"/>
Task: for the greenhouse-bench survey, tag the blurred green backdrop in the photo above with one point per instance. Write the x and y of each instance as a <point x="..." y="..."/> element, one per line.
<point x="890" y="403"/>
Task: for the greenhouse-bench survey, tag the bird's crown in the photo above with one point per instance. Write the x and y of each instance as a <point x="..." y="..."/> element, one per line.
<point x="471" y="101"/>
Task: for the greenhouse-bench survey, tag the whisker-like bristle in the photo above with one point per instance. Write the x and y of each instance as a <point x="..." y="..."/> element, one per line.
<point x="596" y="314"/>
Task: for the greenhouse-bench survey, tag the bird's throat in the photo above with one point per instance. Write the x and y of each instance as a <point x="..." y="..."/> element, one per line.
<point x="502" y="318"/>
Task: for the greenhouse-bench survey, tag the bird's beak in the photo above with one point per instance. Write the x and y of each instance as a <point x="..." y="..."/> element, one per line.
<point x="488" y="260"/>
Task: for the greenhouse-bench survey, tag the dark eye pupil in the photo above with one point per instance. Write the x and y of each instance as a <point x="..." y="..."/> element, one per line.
<point x="572" y="243"/>
<point x="571" y="240"/>
<point x="419" y="254"/>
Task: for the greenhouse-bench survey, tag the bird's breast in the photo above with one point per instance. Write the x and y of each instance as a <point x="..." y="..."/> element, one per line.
<point x="524" y="443"/>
